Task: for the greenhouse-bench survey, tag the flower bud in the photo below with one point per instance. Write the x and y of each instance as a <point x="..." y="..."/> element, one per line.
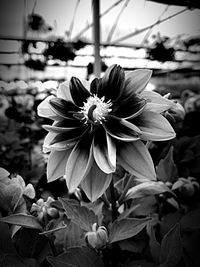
<point x="176" y="113"/>
<point x="42" y="209"/>
<point x="98" y="237"/>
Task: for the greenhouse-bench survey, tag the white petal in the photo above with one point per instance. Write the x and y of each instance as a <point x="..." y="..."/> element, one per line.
<point x="95" y="183"/>
<point x="56" y="164"/>
<point x="155" y="127"/>
<point x="78" y="166"/>
<point x="137" y="80"/>
<point x="44" y="109"/>
<point x="64" y="91"/>
<point x="135" y="158"/>
<point x="111" y="151"/>
<point x="156" y="102"/>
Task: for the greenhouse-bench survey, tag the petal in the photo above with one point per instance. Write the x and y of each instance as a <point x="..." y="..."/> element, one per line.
<point x="121" y="129"/>
<point x="101" y="154"/>
<point x="96" y="182"/>
<point x="111" y="151"/>
<point x="135" y="158"/>
<point x="112" y="83"/>
<point x="154" y="126"/>
<point x="62" y="107"/>
<point x="129" y="107"/>
<point x="156" y="102"/>
<point x="63" y="125"/>
<point x="79" y="163"/>
<point x="44" y="109"/>
<point x="95" y="85"/>
<point x="47" y="147"/>
<point x="56" y="164"/>
<point x="136" y="81"/>
<point x="78" y="92"/>
<point x="64" y="91"/>
<point x="69" y="135"/>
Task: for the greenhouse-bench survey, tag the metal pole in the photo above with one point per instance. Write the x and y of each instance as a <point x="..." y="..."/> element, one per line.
<point x="96" y="38"/>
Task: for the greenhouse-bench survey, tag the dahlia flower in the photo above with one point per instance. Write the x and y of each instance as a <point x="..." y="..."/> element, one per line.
<point x="100" y="124"/>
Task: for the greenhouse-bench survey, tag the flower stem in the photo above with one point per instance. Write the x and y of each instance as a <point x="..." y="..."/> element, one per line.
<point x="114" y="252"/>
<point x="52" y="246"/>
<point x="113" y="201"/>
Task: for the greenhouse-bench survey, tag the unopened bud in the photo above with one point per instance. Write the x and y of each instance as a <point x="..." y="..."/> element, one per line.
<point x="98" y="237"/>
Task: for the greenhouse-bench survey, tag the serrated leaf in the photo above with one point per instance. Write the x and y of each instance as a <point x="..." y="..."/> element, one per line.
<point x="77" y="257"/>
<point x="126" y="228"/>
<point x="80" y="215"/>
<point x="10" y="195"/>
<point x="166" y="170"/>
<point x="127" y="212"/>
<point x="31" y="244"/>
<point x="171" y="247"/>
<point x="96" y="207"/>
<point x="146" y="189"/>
<point x="74" y="236"/>
<point x="25" y="220"/>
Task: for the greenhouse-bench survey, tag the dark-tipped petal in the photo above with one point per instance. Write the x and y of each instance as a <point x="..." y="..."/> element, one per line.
<point x="62" y="107"/>
<point x="112" y="83"/>
<point x="121" y="129"/>
<point x="44" y="109"/>
<point x="63" y="125"/>
<point x="79" y="163"/>
<point x="104" y="152"/>
<point x="78" y="92"/>
<point x="70" y="135"/>
<point x="129" y="107"/>
<point x="95" y="86"/>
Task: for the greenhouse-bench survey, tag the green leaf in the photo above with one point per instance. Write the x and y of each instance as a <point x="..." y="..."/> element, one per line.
<point x="21" y="219"/>
<point x="146" y="189"/>
<point x="6" y="244"/>
<point x="17" y="261"/>
<point x="171" y="247"/>
<point x="166" y="169"/>
<point x="191" y="220"/>
<point x="96" y="207"/>
<point x="77" y="257"/>
<point x="31" y="244"/>
<point x="74" y="236"/>
<point x="82" y="216"/>
<point x="154" y="245"/>
<point x="126" y="228"/>
<point x="8" y="253"/>
<point x="10" y="195"/>
<point x="127" y="212"/>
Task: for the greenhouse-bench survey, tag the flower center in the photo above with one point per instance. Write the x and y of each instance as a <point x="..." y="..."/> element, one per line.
<point x="96" y="109"/>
